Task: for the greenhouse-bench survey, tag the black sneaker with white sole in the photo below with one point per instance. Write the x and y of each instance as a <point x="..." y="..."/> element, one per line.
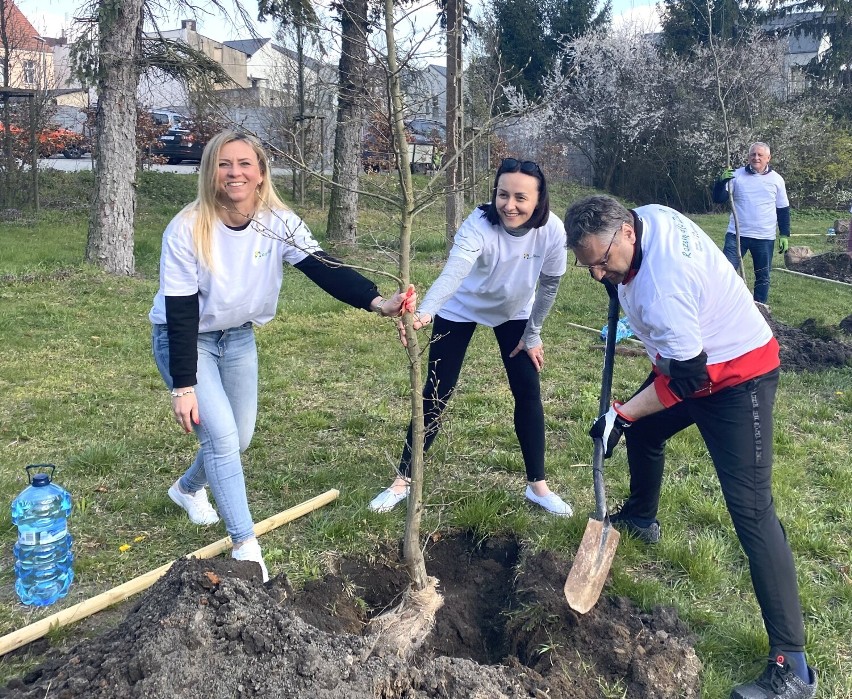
<point x="778" y="681"/>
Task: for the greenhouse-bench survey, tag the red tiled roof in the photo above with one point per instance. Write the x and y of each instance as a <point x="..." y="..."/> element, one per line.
<point x="21" y="33"/>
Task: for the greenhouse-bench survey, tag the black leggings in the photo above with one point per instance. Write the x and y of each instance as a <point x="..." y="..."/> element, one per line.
<point x="736" y="424"/>
<point x="446" y="356"/>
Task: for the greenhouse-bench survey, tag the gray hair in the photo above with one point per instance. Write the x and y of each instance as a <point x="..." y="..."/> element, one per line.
<point x="760" y="144"/>
<point x="598" y="215"/>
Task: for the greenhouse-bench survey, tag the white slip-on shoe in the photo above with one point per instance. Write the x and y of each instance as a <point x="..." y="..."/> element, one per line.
<point x="550" y="502"/>
<point x="196" y="504"/>
<point x="387" y="500"/>
<point x="250" y="551"/>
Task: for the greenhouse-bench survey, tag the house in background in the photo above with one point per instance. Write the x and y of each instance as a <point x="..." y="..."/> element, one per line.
<point x="70" y="99"/>
<point x="157" y="90"/>
<point x="801" y="48"/>
<point x="30" y="57"/>
<point x="270" y="106"/>
<point x="425" y="93"/>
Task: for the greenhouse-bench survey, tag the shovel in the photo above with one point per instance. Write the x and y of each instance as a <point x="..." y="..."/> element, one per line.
<point x="597" y="548"/>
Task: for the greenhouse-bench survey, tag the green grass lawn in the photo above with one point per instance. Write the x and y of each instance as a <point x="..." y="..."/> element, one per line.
<point x="80" y="390"/>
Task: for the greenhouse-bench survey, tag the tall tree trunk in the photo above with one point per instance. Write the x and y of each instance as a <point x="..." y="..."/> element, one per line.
<point x="343" y="205"/>
<point x="111" y="217"/>
<point x="455" y="120"/>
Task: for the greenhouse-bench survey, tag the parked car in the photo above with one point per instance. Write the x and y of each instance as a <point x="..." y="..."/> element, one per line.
<point x="426" y="138"/>
<point x="177" y="145"/>
<point x="170" y="120"/>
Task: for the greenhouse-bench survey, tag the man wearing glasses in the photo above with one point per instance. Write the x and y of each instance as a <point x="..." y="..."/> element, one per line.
<point x="715" y="365"/>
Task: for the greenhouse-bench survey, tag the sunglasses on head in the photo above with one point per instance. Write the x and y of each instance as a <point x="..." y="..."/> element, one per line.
<point x="525" y="166"/>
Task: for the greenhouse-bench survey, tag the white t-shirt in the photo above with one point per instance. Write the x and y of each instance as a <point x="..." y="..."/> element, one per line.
<point x="247" y="268"/>
<point x="686" y="296"/>
<point x="755" y="199"/>
<point x="501" y="285"/>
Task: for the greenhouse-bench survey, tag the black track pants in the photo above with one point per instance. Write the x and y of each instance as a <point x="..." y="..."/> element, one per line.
<point x="736" y="424"/>
<point x="446" y="356"/>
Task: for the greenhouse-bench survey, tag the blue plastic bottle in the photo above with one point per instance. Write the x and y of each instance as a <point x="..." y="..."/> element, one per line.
<point x="43" y="558"/>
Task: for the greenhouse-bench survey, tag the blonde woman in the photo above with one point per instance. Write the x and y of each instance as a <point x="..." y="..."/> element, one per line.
<point x="221" y="269"/>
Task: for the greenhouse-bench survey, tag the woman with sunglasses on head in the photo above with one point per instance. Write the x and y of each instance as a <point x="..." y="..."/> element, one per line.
<point x="221" y="269"/>
<point x="503" y="272"/>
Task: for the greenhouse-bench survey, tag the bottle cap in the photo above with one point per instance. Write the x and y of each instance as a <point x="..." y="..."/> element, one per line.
<point x="40" y="480"/>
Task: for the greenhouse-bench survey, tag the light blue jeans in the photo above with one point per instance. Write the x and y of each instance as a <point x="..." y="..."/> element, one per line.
<point x="227" y="408"/>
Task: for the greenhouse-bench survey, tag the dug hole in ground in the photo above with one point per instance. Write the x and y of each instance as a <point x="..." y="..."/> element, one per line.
<point x="210" y="628"/>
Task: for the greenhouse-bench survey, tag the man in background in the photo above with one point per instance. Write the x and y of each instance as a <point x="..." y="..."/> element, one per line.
<point x="761" y="204"/>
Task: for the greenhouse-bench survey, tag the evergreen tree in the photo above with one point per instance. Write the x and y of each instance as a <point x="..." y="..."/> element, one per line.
<point x="531" y="33"/>
<point x="689" y="23"/>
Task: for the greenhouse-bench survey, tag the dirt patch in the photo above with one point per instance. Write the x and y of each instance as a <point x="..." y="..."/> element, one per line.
<point x="812" y="346"/>
<point x="211" y="629"/>
<point x="830" y="265"/>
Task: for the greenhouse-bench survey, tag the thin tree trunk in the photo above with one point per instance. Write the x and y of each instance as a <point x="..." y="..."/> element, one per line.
<point x="455" y="121"/>
<point x="343" y="203"/>
<point x="411" y="550"/>
<point x="111" y="217"/>
<point x="300" y="96"/>
<point x="723" y="107"/>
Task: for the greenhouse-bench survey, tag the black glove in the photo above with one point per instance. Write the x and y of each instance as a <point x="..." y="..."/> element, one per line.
<point x="609" y="427"/>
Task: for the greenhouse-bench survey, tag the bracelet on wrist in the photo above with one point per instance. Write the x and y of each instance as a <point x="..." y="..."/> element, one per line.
<point x="174" y="393"/>
<point x="378" y="308"/>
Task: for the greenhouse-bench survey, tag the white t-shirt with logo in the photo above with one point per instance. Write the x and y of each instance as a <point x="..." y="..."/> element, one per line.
<point x="686" y="296"/>
<point x="501" y="285"/>
<point x="247" y="268"/>
<point x="755" y="199"/>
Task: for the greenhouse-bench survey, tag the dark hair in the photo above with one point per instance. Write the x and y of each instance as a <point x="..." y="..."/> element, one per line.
<point x="596" y="215"/>
<point x="527" y="167"/>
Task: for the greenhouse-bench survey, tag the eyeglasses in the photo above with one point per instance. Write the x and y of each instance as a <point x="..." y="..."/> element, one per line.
<point x="602" y="264"/>
<point x="514" y="165"/>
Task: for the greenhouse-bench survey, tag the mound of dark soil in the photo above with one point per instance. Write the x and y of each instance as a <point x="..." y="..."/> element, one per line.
<point x="802" y="350"/>
<point x="811" y="346"/>
<point x="830" y="265"/>
<point x="211" y="629"/>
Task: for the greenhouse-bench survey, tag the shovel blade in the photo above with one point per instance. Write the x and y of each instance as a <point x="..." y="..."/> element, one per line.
<point x="591" y="565"/>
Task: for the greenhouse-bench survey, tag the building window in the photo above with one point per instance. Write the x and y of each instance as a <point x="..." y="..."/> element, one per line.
<point x="29" y="72"/>
<point x="797" y="81"/>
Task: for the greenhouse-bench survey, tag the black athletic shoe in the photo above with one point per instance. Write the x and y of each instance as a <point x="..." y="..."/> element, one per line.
<point x="622" y="521"/>
<point x="778" y="681"/>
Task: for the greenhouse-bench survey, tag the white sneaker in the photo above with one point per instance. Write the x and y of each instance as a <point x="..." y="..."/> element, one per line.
<point x="387" y="500"/>
<point x="197" y="506"/>
<point x="250" y="551"/>
<point x="550" y="502"/>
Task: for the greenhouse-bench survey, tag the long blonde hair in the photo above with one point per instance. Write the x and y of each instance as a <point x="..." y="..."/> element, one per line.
<point x="205" y="207"/>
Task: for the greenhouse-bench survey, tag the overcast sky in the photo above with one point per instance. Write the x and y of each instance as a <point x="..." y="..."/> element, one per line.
<point x="50" y="17"/>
